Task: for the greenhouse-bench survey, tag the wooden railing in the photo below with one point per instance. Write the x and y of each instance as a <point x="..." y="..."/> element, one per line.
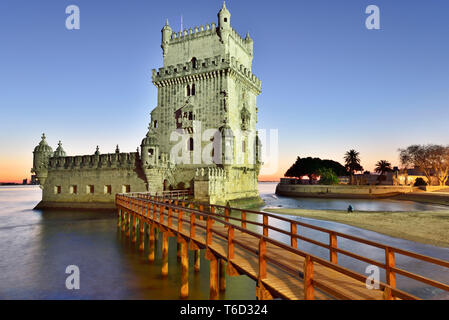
<point x="167" y="194"/>
<point x="236" y="219"/>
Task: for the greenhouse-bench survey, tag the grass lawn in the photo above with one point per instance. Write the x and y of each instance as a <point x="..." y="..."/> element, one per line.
<point x="430" y="227"/>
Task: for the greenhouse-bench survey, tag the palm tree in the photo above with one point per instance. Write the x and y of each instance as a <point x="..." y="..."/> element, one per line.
<point x="352" y="162"/>
<point x="383" y="166"/>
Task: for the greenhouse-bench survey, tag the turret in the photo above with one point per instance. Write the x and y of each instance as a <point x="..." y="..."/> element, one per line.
<point x="59" y="152"/>
<point x="149" y="155"/>
<point x="224" y="23"/>
<point x="166" y="34"/>
<point x="249" y="43"/>
<point x="149" y="150"/>
<point x="41" y="154"/>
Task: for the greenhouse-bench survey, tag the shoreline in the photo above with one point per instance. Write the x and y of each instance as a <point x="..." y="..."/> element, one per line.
<point x="427" y="227"/>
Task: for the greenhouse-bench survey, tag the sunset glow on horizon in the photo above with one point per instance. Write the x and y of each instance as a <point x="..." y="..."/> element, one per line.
<point x="328" y="84"/>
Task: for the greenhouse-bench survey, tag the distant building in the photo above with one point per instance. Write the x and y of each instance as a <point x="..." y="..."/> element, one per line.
<point x="34" y="180"/>
<point x="25" y="181"/>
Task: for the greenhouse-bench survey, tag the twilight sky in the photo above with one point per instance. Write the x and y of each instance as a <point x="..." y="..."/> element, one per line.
<point x="328" y="83"/>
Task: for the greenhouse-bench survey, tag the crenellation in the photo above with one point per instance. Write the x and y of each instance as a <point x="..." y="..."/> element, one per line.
<point x="215" y="63"/>
<point x="94" y="161"/>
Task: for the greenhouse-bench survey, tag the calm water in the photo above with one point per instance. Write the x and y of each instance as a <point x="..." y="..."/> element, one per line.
<point x="37" y="246"/>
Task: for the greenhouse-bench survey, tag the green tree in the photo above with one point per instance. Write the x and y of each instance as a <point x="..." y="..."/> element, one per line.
<point x="432" y="159"/>
<point x="310" y="167"/>
<point x="327" y="176"/>
<point x="352" y="162"/>
<point x="383" y="166"/>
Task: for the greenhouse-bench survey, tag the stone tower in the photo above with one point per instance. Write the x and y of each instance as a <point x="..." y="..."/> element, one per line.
<point x="206" y="108"/>
<point x="202" y="133"/>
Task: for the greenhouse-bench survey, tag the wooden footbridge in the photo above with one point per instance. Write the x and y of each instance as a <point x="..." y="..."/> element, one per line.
<point x="236" y="245"/>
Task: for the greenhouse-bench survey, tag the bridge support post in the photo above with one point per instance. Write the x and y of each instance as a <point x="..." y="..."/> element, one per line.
<point x="185" y="270"/>
<point x="213" y="279"/>
<point x="151" y="243"/>
<point x="128" y="217"/>
<point x="222" y="277"/>
<point x="164" y="254"/>
<point x="123" y="220"/>
<point x="262" y="293"/>
<point x="178" y="251"/>
<point x="119" y="218"/>
<point x="134" y="237"/>
<point x="142" y="235"/>
<point x="197" y="261"/>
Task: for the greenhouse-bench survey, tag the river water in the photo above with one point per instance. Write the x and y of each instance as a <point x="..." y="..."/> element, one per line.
<point x="36" y="246"/>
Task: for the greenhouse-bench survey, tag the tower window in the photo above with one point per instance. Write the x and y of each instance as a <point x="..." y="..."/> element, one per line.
<point x="57" y="189"/>
<point x="150" y="152"/>
<point x="155" y="123"/>
<point x="73" y="189"/>
<point x="188" y="90"/>
<point x="194" y="62"/>
<point x="108" y="189"/>
<point x="90" y="189"/>
<point x="190" y="115"/>
<point x="126" y="188"/>
<point x="190" y="144"/>
<point x="225" y="19"/>
<point x="193" y="89"/>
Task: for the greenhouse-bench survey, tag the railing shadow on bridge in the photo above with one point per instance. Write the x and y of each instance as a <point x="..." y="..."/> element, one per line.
<point x="280" y="270"/>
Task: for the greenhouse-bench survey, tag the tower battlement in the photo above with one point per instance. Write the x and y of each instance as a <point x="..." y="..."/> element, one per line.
<point x="110" y="160"/>
<point x="186" y="72"/>
<point x="209" y="30"/>
<point x="206" y="41"/>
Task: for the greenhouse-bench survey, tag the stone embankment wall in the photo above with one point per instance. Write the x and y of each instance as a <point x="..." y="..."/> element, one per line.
<point x="341" y="191"/>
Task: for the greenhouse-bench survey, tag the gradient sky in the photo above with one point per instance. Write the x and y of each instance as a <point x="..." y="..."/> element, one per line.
<point x="328" y="83"/>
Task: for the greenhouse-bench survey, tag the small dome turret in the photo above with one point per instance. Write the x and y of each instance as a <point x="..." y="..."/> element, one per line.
<point x="59" y="152"/>
<point x="149" y="140"/>
<point x="43" y="147"/>
<point x="97" y="151"/>
<point x="41" y="154"/>
<point x="224" y="13"/>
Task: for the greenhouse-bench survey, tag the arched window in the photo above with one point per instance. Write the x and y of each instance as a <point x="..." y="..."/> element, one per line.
<point x="194" y="62"/>
<point x="188" y="90"/>
<point x="193" y="89"/>
<point x="190" y="115"/>
<point x="155" y="123"/>
<point x="190" y="145"/>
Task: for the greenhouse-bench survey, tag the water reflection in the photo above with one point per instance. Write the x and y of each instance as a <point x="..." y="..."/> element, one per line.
<point x="37" y="246"/>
